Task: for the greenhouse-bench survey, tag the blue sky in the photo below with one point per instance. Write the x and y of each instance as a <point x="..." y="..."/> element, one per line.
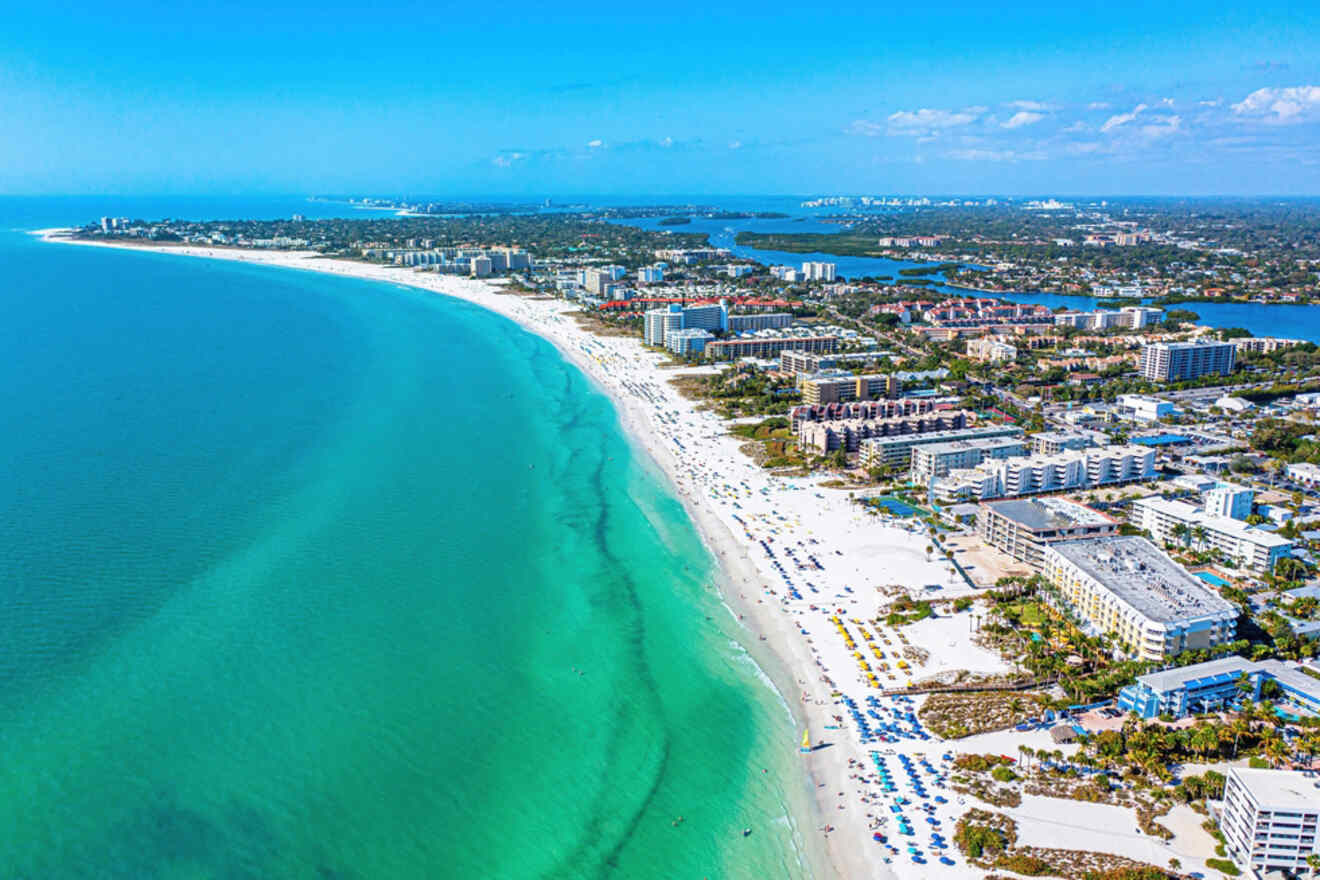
<point x="696" y="98"/>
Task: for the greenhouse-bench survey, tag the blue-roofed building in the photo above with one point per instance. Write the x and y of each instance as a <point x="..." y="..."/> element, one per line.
<point x="1213" y="686"/>
<point x="1201" y="687"/>
<point x="1268" y="819"/>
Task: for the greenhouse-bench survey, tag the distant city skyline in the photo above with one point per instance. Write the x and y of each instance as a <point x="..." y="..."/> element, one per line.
<point x="521" y="100"/>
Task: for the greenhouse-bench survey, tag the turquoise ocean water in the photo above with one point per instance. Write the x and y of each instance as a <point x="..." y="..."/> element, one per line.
<point x="314" y="578"/>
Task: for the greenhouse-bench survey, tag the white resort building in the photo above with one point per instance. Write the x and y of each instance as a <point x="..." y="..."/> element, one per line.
<point x="1177" y="522"/>
<point x="888" y="450"/>
<point x="1269" y="820"/>
<point x="938" y="459"/>
<point x="1030" y="475"/>
<point x="1173" y="361"/>
<point x="1023" y="527"/>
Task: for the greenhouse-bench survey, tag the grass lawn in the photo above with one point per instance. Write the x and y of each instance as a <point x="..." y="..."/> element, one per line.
<point x="1032" y="616"/>
<point x="1029" y="614"/>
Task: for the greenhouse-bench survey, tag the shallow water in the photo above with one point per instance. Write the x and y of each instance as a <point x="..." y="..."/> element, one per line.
<point x="315" y="577"/>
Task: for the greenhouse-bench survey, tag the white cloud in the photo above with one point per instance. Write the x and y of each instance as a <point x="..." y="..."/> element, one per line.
<point x="866" y="127"/>
<point x="1023" y="117"/>
<point x="735" y="145"/>
<point x="1121" y="119"/>
<point x="1083" y="148"/>
<point x="1281" y="105"/>
<point x="1162" y="127"/>
<point x="1030" y="105"/>
<point x="984" y="155"/>
<point x="504" y="160"/>
<point x="596" y="144"/>
<point x="1215" y="103"/>
<point x="667" y="142"/>
<point x="1098" y="105"/>
<point x="1076" y="127"/>
<point x="928" y="121"/>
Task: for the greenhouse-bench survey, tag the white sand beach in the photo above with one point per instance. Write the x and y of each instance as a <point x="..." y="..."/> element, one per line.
<point x="1051" y="823"/>
<point x="795" y="557"/>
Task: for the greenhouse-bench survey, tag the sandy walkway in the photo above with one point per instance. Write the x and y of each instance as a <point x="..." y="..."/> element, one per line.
<point x="1067" y="824"/>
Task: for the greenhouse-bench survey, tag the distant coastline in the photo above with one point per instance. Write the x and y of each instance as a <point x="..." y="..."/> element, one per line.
<point x="854" y="245"/>
<point x="1151" y="299"/>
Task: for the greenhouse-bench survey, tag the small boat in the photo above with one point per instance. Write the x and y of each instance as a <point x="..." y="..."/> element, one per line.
<point x="747" y="832"/>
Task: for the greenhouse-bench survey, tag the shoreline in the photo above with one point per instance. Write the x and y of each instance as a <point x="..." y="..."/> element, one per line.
<point x="731" y="560"/>
<point x="791" y="559"/>
<point x="801" y="569"/>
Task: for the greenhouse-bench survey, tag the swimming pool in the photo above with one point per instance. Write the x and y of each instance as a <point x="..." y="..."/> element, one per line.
<point x="1163" y="440"/>
<point x="1211" y="578"/>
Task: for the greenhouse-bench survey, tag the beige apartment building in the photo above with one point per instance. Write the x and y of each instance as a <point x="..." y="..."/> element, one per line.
<point x="1129" y="587"/>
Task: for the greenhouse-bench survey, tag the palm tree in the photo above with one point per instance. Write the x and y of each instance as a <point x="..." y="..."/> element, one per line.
<point x="1310" y="743"/>
<point x="1240" y="725"/>
<point x="1156" y="738"/>
<point x="1179" y="531"/>
<point x="1275" y="749"/>
<point x="1249" y="710"/>
<point x="1224" y="733"/>
<point x="1129" y="725"/>
<point x="1203" y="740"/>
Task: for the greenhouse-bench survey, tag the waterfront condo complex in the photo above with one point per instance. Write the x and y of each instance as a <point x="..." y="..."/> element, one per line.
<point x="1128" y="587"/>
<point x="848" y="434"/>
<point x="1023" y="528"/>
<point x="829" y="388"/>
<point x="896" y="449"/>
<point x="660" y="322"/>
<point x="1177" y="522"/>
<point x="1013" y="476"/>
<point x="937" y="459"/>
<point x="1269" y="820"/>
<point x="1175" y="361"/>
<point x="1221" y="685"/>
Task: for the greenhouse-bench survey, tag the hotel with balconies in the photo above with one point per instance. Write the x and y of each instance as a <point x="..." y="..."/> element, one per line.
<point x="1269" y="819"/>
<point x="1128" y="587"/>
